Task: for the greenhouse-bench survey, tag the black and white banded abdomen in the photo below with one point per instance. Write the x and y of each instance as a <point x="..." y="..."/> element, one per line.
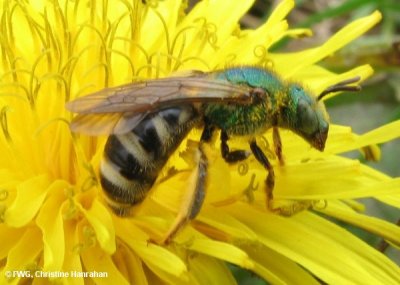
<point x="132" y="161"/>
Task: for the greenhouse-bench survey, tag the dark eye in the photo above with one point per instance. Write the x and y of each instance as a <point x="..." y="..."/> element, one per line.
<point x="308" y="121"/>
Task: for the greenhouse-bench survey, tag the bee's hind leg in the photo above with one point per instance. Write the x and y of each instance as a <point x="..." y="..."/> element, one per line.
<point x="193" y="197"/>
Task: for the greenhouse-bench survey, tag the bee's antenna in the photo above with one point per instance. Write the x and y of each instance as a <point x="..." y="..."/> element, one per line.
<point x="341" y="86"/>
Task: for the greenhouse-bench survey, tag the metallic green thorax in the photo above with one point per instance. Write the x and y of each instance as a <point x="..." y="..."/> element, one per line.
<point x="246" y="119"/>
<point x="287" y="105"/>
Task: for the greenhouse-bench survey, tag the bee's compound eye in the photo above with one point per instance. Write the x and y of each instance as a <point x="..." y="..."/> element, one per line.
<point x="308" y="120"/>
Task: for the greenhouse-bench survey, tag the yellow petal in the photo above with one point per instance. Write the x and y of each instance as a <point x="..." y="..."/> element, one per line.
<point x="338" y="137"/>
<point x="393" y="200"/>
<point x="318" y="79"/>
<point x="217" y="218"/>
<point x="298" y="60"/>
<point x="30" y="196"/>
<point x="298" y="33"/>
<point x="217" y="249"/>
<point x="374" y="225"/>
<point x="161" y="21"/>
<point x="50" y="221"/>
<point x="130" y="265"/>
<point x="151" y="254"/>
<point x="208" y="270"/>
<point x="95" y="260"/>
<point x="225" y="25"/>
<point x="72" y="260"/>
<point x="316" y="243"/>
<point x="8" y="179"/>
<point x="276" y="268"/>
<point x="100" y="219"/>
<point x="245" y="53"/>
<point x="260" y="39"/>
<point x="280" y="12"/>
<point x="60" y="144"/>
<point x="300" y="181"/>
<point x="159" y="277"/>
<point x="8" y="238"/>
<point x="382" y="134"/>
<point x="23" y="256"/>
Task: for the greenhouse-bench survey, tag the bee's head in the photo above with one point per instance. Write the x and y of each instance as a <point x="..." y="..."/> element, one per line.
<point x="305" y="114"/>
<point x="308" y="117"/>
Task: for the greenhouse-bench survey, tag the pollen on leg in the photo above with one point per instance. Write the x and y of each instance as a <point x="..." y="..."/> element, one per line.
<point x="193" y="198"/>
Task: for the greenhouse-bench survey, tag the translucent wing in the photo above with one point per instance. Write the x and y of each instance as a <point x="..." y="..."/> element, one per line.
<point x="106" y="123"/>
<point x="117" y="110"/>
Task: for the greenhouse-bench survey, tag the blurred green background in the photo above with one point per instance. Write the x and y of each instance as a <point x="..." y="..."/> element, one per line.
<point x="379" y="101"/>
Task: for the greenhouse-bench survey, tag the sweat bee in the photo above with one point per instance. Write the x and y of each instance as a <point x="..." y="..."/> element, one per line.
<point x="147" y="121"/>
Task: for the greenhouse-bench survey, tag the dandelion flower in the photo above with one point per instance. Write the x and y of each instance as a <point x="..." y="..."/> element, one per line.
<point x="53" y="216"/>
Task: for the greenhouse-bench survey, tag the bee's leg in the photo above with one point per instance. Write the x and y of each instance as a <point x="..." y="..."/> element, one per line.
<point x="193" y="197"/>
<point x="270" y="181"/>
<point x="207" y="132"/>
<point x="277" y="144"/>
<point x="231" y="156"/>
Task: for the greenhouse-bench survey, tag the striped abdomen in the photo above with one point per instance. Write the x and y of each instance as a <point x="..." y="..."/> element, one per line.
<point x="132" y="161"/>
